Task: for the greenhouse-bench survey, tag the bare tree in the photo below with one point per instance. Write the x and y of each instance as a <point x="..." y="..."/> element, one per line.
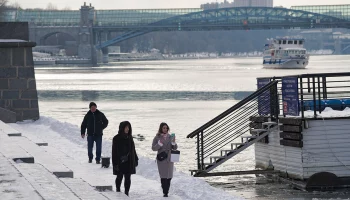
<point x="35" y="9"/>
<point x="50" y="6"/>
<point x="66" y="8"/>
<point x="15" y="5"/>
<point x="2" y="9"/>
<point x="3" y="3"/>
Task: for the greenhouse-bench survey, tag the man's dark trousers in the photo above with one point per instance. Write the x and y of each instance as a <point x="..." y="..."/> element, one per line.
<point x="91" y="140"/>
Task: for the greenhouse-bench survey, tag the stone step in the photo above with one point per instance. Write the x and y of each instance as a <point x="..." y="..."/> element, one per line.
<point x="42" y="157"/>
<point x="83" y="189"/>
<point x="8" y="130"/>
<point x="119" y="195"/>
<point x="91" y="168"/>
<point x="44" y="182"/>
<point x="13" y="151"/>
<point x="38" y="141"/>
<point x="13" y="185"/>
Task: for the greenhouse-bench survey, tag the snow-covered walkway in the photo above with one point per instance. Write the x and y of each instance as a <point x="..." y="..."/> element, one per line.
<point x="64" y="156"/>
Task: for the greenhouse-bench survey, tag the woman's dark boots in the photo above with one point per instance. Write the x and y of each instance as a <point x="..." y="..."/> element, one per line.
<point x="165" y="186"/>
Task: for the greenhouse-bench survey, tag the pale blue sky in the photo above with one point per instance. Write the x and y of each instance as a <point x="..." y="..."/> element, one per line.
<point x="148" y="4"/>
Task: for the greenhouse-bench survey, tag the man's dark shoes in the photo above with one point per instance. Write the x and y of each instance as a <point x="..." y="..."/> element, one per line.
<point x="118" y="189"/>
<point x="98" y="162"/>
<point x="90" y="160"/>
<point x="165" y="195"/>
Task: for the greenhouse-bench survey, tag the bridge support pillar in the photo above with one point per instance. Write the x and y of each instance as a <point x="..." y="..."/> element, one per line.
<point x="86" y="47"/>
<point x="105" y="55"/>
<point x="337" y="47"/>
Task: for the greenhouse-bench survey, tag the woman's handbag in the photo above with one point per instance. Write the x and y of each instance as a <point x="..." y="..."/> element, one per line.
<point x="162" y="156"/>
<point x="125" y="158"/>
<point x="175" y="156"/>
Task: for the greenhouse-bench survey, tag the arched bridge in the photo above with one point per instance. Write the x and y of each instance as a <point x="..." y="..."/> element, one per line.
<point x="243" y="18"/>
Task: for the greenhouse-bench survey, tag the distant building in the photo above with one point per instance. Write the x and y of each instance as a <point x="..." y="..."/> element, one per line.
<point x="253" y="3"/>
<point x="209" y="6"/>
<point x="216" y="5"/>
<point x="238" y="3"/>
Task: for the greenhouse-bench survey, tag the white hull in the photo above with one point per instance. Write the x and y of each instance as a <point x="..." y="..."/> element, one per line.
<point x="44" y="62"/>
<point x="289" y="64"/>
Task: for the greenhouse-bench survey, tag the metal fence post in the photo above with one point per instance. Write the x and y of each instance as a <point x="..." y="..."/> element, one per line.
<point x="314" y="95"/>
<point x="202" y="149"/>
<point x="274" y="106"/>
<point x="319" y="94"/>
<point x="301" y="97"/>
<point x="324" y="81"/>
<point x="198" y="156"/>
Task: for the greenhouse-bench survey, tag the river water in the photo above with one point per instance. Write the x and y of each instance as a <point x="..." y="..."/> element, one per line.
<point x="185" y="94"/>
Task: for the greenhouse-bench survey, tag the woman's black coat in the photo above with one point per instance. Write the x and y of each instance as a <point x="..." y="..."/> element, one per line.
<point x="124" y="145"/>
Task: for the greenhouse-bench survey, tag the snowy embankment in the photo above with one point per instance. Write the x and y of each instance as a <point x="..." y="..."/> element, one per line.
<point x="145" y="184"/>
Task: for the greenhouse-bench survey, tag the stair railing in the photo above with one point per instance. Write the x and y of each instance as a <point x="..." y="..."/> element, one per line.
<point x="234" y="122"/>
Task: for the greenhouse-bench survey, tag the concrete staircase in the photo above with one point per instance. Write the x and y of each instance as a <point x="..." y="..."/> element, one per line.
<point x="44" y="172"/>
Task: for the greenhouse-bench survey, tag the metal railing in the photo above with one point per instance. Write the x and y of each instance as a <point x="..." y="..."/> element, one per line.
<point x="318" y="91"/>
<point x="234" y="122"/>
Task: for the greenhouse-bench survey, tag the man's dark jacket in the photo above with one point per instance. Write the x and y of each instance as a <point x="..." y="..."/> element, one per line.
<point x="95" y="122"/>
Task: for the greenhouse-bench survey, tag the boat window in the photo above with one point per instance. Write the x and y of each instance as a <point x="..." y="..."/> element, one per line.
<point x="300" y="42"/>
<point x="295" y="41"/>
<point x="279" y="41"/>
<point x="284" y="41"/>
<point x="290" y="42"/>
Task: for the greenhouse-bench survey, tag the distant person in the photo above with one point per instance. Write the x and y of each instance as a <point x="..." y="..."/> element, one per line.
<point x="95" y="121"/>
<point x="164" y="143"/>
<point x="124" y="156"/>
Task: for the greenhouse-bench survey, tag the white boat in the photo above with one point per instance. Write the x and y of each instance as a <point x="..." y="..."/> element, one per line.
<point x="44" y="61"/>
<point x="285" y="53"/>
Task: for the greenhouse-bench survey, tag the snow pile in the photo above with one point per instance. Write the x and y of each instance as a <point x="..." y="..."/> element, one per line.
<point x="327" y="113"/>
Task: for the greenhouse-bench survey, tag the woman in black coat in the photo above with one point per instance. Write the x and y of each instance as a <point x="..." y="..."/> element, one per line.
<point x="124" y="156"/>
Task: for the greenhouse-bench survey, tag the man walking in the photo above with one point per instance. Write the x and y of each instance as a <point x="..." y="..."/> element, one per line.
<point x="95" y="121"/>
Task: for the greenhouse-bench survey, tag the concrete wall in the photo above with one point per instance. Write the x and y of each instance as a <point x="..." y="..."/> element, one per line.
<point x="17" y="80"/>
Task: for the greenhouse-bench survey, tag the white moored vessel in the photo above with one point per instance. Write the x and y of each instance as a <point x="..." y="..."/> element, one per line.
<point x="285" y="53"/>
